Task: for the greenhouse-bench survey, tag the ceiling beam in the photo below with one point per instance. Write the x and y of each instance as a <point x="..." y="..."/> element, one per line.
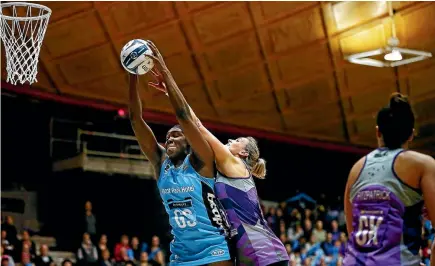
<point x="169" y="119"/>
<point x="333" y="63"/>
<point x="192" y="45"/>
<point x="266" y="67"/>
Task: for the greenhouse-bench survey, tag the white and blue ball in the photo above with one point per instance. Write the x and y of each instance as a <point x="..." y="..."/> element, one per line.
<point x="134" y="57"/>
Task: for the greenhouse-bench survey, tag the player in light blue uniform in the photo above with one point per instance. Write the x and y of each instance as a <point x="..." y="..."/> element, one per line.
<point x="196" y="219"/>
<point x="185" y="178"/>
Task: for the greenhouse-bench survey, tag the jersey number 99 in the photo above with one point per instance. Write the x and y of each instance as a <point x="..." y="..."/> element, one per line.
<point x="184" y="218"/>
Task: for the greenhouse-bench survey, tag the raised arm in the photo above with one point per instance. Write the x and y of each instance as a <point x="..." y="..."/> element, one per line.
<point x="201" y="149"/>
<point x="226" y="162"/>
<point x="202" y="156"/>
<point x="427" y="182"/>
<point x="145" y="136"/>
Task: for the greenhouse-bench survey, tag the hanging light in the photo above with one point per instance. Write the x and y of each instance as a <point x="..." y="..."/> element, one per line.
<point x="393" y="55"/>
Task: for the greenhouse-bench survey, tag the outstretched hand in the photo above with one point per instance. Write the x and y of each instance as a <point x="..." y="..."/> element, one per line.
<point x="162" y="75"/>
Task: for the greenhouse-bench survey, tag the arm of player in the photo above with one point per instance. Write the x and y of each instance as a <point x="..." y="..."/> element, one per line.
<point x="200" y="146"/>
<point x="226" y="162"/>
<point x="427" y="184"/>
<point x="353" y="176"/>
<point x="145" y="136"/>
<point x="202" y="155"/>
<point x="348" y="209"/>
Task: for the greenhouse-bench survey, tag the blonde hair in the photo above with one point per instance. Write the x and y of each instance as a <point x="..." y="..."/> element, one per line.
<point x="256" y="164"/>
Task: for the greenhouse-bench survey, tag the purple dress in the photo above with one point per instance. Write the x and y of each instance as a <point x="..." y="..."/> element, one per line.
<point x="386" y="215"/>
<point x="255" y="241"/>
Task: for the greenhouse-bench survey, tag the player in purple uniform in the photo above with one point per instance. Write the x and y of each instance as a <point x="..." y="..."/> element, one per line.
<point x="237" y="163"/>
<point x="384" y="194"/>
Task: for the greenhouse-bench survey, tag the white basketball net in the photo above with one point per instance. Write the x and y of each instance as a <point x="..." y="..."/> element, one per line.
<point x="22" y="33"/>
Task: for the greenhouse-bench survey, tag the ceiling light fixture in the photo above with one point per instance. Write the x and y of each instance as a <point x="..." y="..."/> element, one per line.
<point x="393" y="55"/>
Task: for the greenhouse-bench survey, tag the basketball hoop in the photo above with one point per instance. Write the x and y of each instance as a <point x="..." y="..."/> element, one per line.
<point x="22" y="33"/>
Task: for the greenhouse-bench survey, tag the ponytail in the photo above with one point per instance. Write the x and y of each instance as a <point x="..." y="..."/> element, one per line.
<point x="259" y="169"/>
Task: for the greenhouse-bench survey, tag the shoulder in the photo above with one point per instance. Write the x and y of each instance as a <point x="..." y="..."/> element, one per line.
<point x="355" y="171"/>
<point x="416" y="159"/>
<point x="358" y="166"/>
<point x="418" y="156"/>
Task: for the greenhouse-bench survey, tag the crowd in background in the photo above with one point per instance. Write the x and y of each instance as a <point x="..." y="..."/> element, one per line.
<point x="313" y="233"/>
<point x="94" y="249"/>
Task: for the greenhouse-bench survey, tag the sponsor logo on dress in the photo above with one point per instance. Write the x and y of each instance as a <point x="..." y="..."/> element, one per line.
<point x="218" y="252"/>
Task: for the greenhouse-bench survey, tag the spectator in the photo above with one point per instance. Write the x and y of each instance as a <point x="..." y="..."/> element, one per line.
<point x="303" y="254"/>
<point x="26" y="260"/>
<point x="144" y="260"/>
<point x="308" y="228"/>
<point x="308" y="215"/>
<point x="90" y="222"/>
<point x="336" y="251"/>
<point x="291" y="255"/>
<point x="135" y="248"/>
<point x="129" y="263"/>
<point x="319" y="233"/>
<point x="67" y="262"/>
<point x="311" y="243"/>
<point x="87" y="254"/>
<point x="102" y="245"/>
<point x="328" y="245"/>
<point x="295" y="259"/>
<point x="295" y="234"/>
<point x="156" y="253"/>
<point x="8" y="259"/>
<point x="105" y="258"/>
<point x="334" y="230"/>
<point x="25" y="255"/>
<point x="295" y="217"/>
<point x="124" y="256"/>
<point x="427" y="253"/>
<point x="11" y="230"/>
<point x="123" y="244"/>
<point x="343" y="240"/>
<point x="6" y="244"/>
<point x="272" y="219"/>
<point x="283" y="238"/>
<point x="5" y="260"/>
<point x="44" y="259"/>
<point x="342" y="220"/>
<point x="26" y="240"/>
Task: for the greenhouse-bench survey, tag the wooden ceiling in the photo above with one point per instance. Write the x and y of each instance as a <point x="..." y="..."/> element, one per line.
<point x="275" y="66"/>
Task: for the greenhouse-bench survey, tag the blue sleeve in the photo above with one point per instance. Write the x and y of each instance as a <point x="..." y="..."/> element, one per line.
<point x="130" y="253"/>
